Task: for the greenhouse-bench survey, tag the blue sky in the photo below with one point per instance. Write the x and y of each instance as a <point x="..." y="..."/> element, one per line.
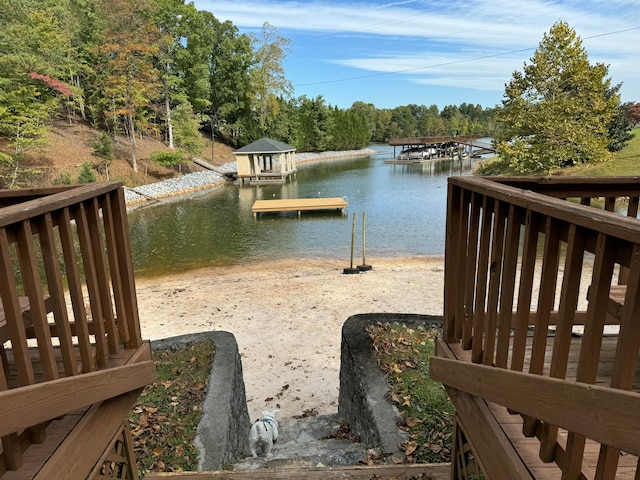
<point x="442" y="52"/>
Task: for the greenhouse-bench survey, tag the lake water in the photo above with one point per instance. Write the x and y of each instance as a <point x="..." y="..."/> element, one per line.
<point x="405" y="208"/>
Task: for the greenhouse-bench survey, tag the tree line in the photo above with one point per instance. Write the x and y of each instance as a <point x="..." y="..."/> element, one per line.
<point x="164" y="69"/>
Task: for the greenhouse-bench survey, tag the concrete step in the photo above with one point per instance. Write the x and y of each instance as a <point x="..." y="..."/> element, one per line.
<point x="309" y="442"/>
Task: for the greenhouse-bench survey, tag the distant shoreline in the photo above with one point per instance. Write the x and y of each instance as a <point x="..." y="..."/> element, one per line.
<point x="210" y="180"/>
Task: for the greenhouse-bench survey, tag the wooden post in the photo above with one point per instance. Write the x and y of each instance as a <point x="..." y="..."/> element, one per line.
<point x="351" y="269"/>
<point x="364" y="267"/>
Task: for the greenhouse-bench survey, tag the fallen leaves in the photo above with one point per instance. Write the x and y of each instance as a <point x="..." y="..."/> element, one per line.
<point x="344" y="432"/>
<point x="311" y="412"/>
<point x="403" y="354"/>
<point x="409" y="447"/>
<point x="163" y="422"/>
<point x="413" y="421"/>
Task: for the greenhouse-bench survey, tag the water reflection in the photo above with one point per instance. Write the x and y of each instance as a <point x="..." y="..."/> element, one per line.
<point x="405" y="207"/>
<point x="436" y="167"/>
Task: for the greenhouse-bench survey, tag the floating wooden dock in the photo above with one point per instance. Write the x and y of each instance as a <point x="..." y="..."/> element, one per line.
<point x="298" y="205"/>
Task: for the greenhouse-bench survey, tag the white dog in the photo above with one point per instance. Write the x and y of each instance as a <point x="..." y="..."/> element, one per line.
<point x="264" y="433"/>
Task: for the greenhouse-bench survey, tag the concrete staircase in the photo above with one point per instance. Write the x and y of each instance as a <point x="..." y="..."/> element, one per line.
<point x="310" y="448"/>
<point x="317" y="441"/>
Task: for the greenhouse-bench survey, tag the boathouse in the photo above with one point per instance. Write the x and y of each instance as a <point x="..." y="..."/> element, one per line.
<point x="423" y="149"/>
<point x="266" y="161"/>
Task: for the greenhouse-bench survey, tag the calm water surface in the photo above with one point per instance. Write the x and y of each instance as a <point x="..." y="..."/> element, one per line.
<point x="405" y="209"/>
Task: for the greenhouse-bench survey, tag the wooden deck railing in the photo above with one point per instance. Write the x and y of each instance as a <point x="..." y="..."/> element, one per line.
<point x="69" y="328"/>
<point x="527" y="274"/>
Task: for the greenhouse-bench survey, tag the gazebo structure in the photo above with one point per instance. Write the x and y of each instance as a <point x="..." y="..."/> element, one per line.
<point x="266" y="161"/>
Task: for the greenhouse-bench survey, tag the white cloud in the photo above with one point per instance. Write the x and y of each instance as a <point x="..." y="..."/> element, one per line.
<point x="452" y="42"/>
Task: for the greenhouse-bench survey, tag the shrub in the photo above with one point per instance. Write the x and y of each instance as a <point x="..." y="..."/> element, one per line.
<point x="63" y="179"/>
<point x="167" y="159"/>
<point x="86" y="175"/>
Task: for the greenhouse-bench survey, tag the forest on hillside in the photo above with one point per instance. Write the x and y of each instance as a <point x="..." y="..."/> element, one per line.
<point x="166" y="70"/>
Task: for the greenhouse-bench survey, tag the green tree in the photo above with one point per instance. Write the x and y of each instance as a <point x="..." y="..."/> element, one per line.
<point x="232" y="94"/>
<point x="621" y="124"/>
<point x="187" y="133"/>
<point x="268" y="73"/>
<point x="403" y="122"/>
<point x="381" y="130"/>
<point x="167" y="159"/>
<point x="168" y="16"/>
<point x="349" y="130"/>
<point x="620" y="128"/>
<point x="282" y="126"/>
<point x="86" y="175"/>
<point x="313" y="125"/>
<point x="369" y="112"/>
<point x="103" y="149"/>
<point x="556" y="112"/>
<point x="192" y="56"/>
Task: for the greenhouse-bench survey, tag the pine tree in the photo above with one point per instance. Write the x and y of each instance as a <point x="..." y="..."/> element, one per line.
<point x="103" y="149"/>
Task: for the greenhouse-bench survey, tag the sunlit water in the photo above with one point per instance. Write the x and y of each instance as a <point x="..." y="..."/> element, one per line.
<point x="405" y="209"/>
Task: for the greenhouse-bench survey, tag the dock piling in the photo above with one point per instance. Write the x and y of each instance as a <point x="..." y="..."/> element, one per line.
<point x="351" y="269"/>
<point x="364" y="267"/>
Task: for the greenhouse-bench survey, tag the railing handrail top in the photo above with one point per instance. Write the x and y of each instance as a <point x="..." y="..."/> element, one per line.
<point x="574" y="186"/>
<point x="619" y="226"/>
<point x="39" y="206"/>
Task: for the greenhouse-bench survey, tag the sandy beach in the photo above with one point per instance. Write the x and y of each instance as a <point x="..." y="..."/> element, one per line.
<point x="287" y="318"/>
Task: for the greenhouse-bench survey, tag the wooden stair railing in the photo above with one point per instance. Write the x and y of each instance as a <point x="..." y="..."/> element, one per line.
<point x="34" y="404"/>
<point x="549" y="399"/>
<point x="527" y="271"/>
<point x="69" y="328"/>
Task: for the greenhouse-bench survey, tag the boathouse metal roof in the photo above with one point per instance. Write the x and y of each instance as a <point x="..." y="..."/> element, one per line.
<point x="265" y="145"/>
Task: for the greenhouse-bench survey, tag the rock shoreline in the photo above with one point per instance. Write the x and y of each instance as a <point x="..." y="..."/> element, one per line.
<point x="193" y="182"/>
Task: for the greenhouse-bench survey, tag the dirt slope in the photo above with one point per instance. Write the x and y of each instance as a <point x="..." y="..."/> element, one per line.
<point x="69" y="146"/>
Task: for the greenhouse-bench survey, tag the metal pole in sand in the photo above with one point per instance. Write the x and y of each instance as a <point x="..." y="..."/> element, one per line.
<point x="351" y="269"/>
<point x="364" y="267"/>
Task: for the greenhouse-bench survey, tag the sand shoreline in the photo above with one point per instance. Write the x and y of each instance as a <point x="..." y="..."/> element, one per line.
<point x="287" y="318"/>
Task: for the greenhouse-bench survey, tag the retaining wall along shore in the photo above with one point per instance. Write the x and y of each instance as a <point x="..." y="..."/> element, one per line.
<point x="209" y="179"/>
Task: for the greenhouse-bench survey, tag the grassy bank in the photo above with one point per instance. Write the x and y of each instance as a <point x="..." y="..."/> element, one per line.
<point x="625" y="163"/>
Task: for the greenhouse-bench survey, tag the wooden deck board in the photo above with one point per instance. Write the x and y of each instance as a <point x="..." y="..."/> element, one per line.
<point x="432" y="471"/>
<point x="528" y="447"/>
<point x="298" y="205"/>
<point x="34" y="456"/>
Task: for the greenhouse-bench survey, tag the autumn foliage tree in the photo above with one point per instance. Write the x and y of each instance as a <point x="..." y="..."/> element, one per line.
<point x="634" y="113"/>
<point x="30" y="88"/>
<point x="126" y="75"/>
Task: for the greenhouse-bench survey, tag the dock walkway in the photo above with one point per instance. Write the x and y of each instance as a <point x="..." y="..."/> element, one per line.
<point x="298" y="205"/>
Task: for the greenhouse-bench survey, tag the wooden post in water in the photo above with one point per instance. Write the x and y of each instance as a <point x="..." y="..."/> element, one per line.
<point x="364" y="267"/>
<point x="351" y="269"/>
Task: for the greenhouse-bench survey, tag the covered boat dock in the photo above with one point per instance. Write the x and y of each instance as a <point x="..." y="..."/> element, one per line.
<point x="421" y="149"/>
